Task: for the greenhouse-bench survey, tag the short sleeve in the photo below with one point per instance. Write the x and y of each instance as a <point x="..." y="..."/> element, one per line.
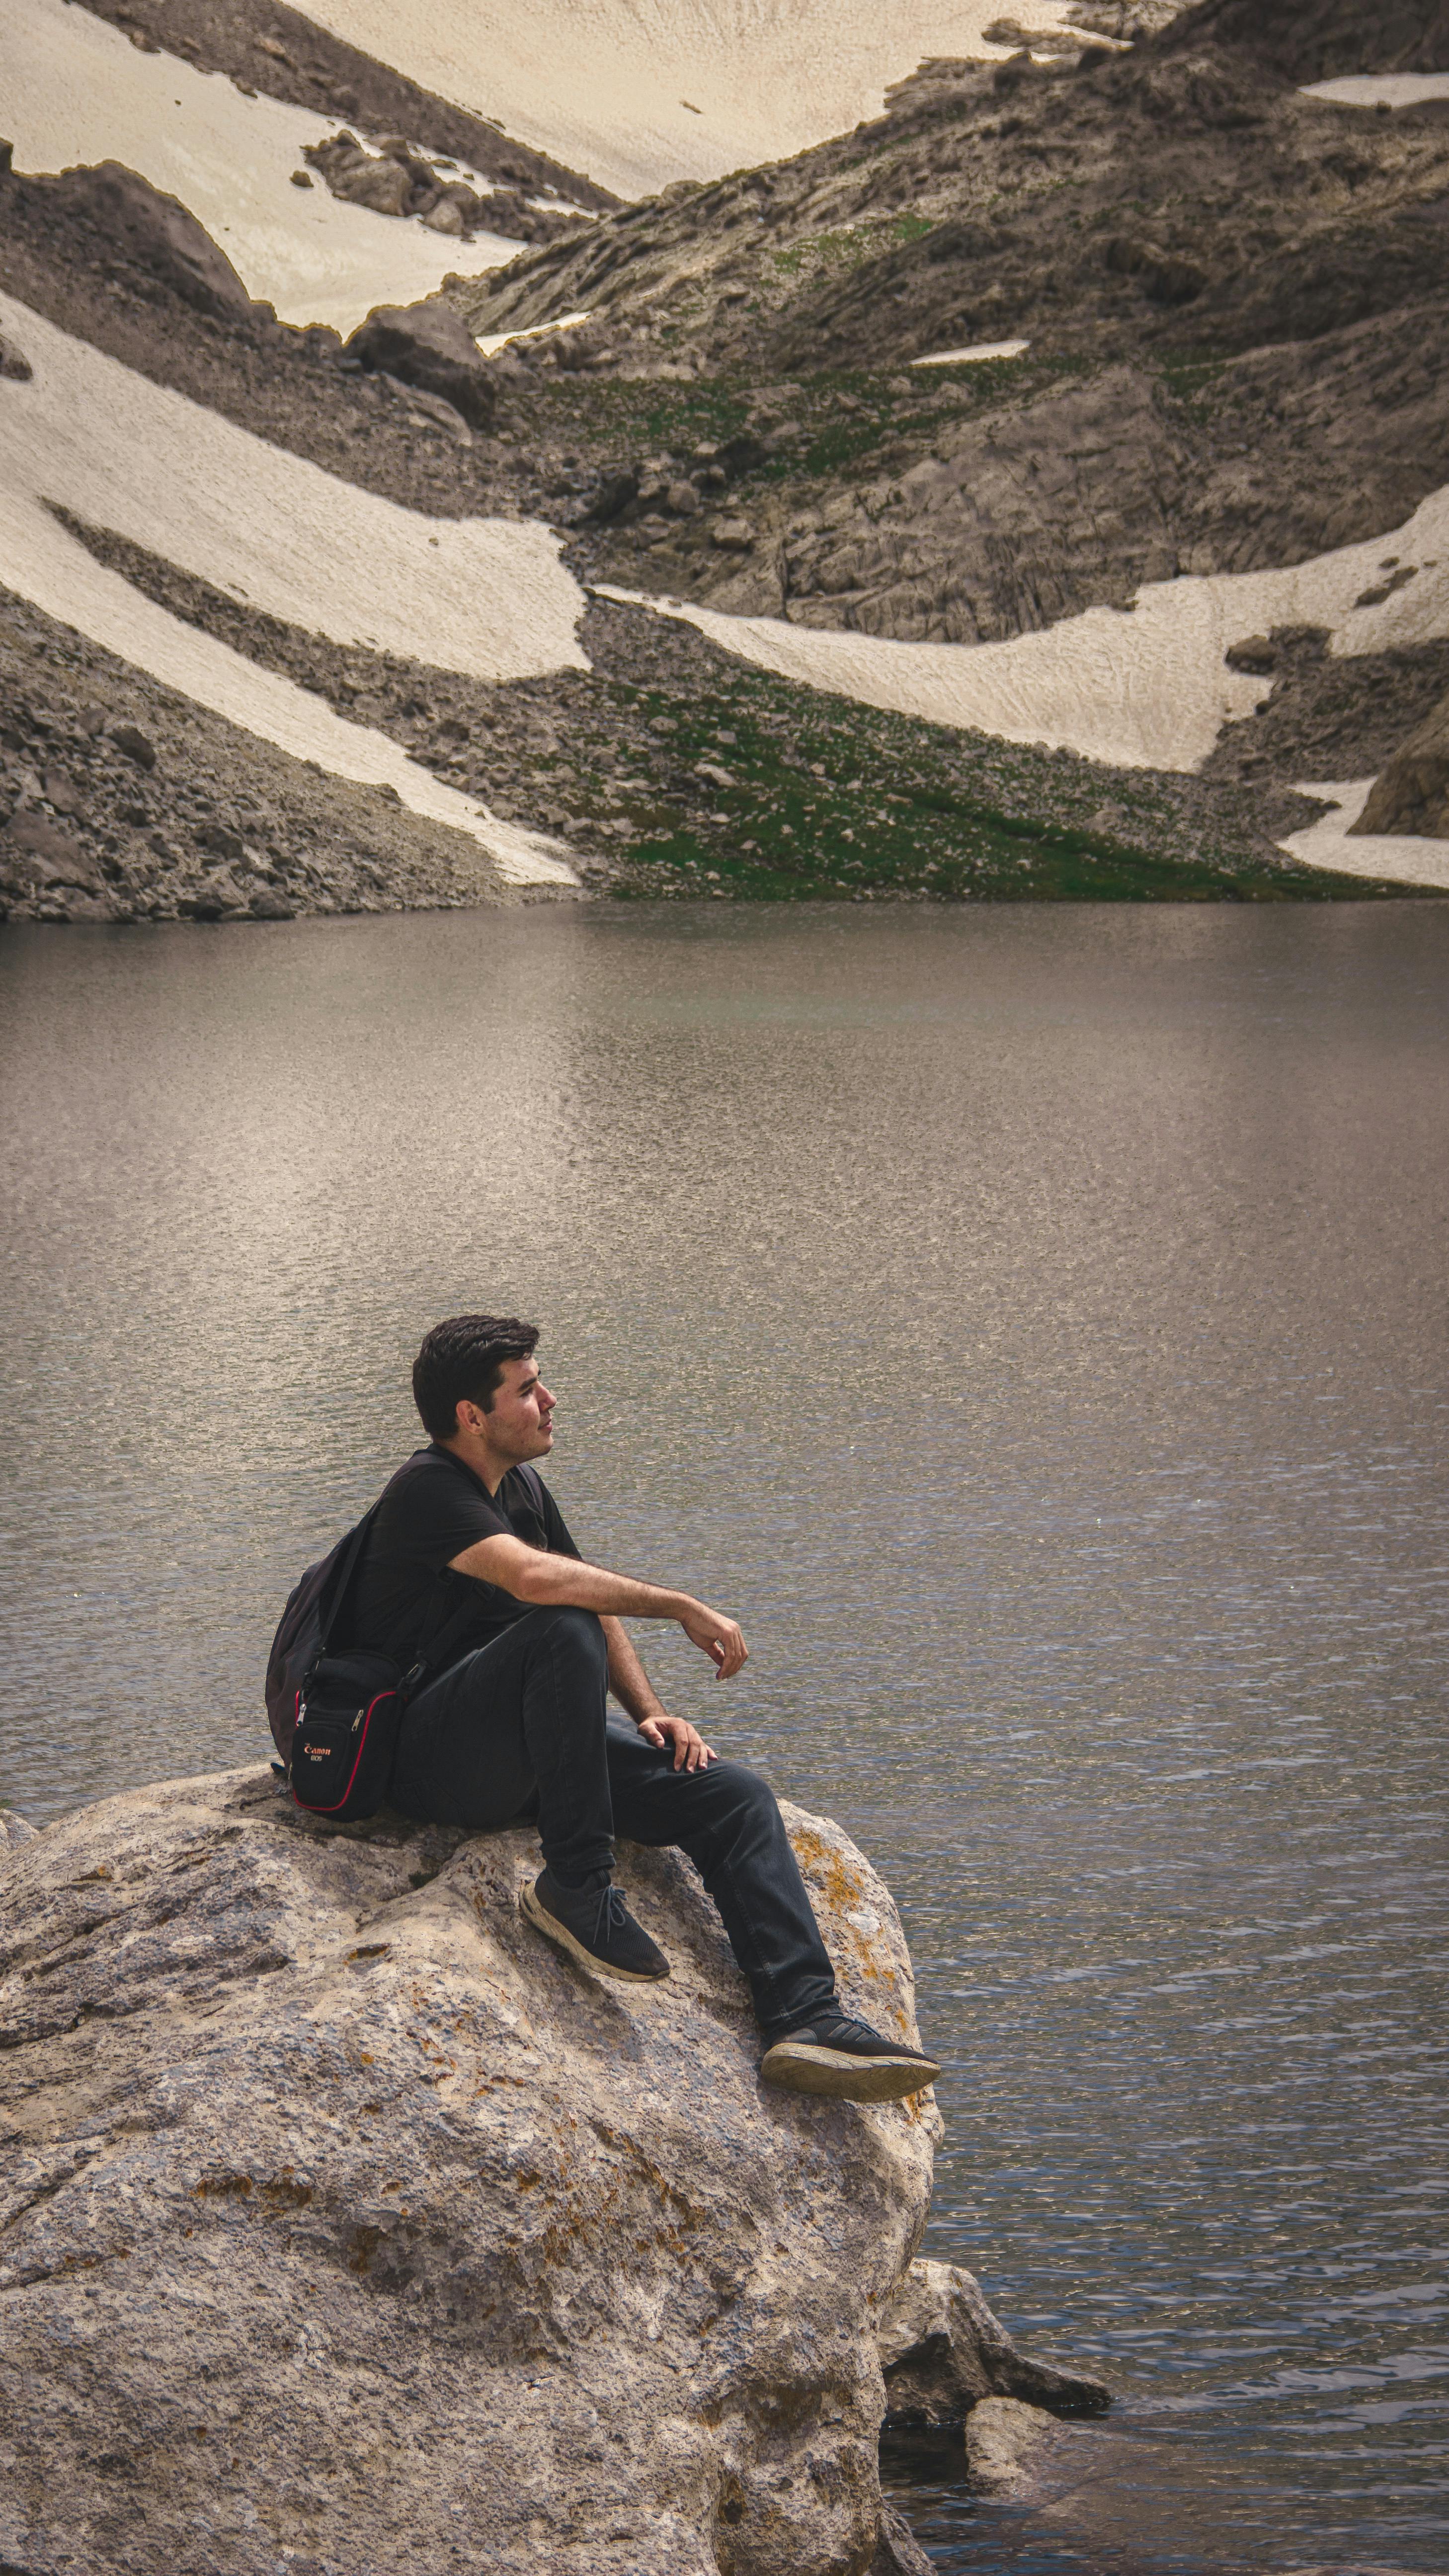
<point x="442" y="1514"/>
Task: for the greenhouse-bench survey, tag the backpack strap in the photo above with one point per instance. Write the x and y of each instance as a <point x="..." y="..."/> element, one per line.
<point x="346" y="1568"/>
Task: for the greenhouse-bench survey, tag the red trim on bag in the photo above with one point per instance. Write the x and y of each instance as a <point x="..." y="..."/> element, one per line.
<point x="361" y="1749"/>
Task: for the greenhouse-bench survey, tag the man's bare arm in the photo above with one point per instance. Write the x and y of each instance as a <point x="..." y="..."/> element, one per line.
<point x="547" y="1582"/>
<point x="634" y="1691"/>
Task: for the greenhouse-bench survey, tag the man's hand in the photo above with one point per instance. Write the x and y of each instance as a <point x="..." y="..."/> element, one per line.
<point x="721" y="1639"/>
<point x="691" y="1753"/>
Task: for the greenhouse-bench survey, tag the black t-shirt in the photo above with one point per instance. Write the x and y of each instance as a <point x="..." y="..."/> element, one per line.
<point x="434" y="1508"/>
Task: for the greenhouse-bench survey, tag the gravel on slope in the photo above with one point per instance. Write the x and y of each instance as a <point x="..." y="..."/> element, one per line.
<point x="122" y="801"/>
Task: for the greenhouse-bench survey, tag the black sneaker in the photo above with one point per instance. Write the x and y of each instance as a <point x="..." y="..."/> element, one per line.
<point x="848" y="2061"/>
<point x="596" y="1927"/>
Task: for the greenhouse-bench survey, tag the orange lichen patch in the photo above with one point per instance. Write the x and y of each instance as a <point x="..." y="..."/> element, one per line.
<point x="285" y="2193"/>
<point x="365" y="2242"/>
<point x="282" y="2191"/>
<point x="88" y="1874"/>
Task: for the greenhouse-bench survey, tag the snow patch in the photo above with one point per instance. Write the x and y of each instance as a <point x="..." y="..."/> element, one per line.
<point x="1145" y="687"/>
<point x="976" y="355"/>
<point x="492" y="341"/>
<point x="1403" y="856"/>
<point x="485" y="596"/>
<point x="488" y="597"/>
<point x="50" y="569"/>
<point x="641" y="92"/>
<point x="76" y="91"/>
<point x="1380" y="89"/>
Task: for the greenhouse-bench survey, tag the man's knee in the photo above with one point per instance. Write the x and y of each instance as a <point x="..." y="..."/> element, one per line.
<point x="579" y="1632"/>
<point x="744" y="1797"/>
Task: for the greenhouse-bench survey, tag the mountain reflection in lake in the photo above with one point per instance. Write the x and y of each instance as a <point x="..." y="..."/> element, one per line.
<point x="1031" y="1323"/>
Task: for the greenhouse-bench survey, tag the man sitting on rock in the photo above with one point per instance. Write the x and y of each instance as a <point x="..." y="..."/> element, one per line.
<point x="519" y="1728"/>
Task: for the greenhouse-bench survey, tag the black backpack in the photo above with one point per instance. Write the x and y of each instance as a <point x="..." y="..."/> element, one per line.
<point x="336" y="1718"/>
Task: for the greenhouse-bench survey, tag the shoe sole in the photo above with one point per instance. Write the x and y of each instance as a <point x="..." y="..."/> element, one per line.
<point x="800" y="2066"/>
<point x="551" y="1928"/>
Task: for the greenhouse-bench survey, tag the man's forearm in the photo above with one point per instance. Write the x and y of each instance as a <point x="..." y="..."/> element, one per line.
<point x="628" y="1680"/>
<point x="564" y="1582"/>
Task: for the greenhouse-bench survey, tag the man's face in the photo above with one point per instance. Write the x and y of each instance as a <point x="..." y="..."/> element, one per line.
<point x="519" y="1424"/>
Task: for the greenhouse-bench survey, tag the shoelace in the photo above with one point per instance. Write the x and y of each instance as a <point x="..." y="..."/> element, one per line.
<point x="612" y="1913"/>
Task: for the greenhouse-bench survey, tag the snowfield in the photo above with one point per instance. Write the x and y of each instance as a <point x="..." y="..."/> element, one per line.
<point x="1412" y="860"/>
<point x="1145" y="687"/>
<point x="637" y="93"/>
<point x="485" y="596"/>
<point x="488" y="597"/>
<point x="76" y="91"/>
<point x="976" y="355"/>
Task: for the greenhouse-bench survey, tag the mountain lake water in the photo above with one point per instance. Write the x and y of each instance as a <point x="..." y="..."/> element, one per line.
<point x="1031" y="1323"/>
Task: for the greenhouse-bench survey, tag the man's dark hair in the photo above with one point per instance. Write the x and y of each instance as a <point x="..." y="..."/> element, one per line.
<point x="463" y="1359"/>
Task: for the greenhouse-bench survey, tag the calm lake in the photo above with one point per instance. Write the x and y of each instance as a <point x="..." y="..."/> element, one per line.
<point x="1031" y="1324"/>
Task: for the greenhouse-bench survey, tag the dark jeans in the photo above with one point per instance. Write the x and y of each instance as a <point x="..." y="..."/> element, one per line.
<point x="520" y="1729"/>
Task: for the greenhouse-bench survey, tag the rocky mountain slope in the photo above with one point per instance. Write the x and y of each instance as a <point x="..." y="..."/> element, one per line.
<point x="1219" y="316"/>
<point x="1233" y="299"/>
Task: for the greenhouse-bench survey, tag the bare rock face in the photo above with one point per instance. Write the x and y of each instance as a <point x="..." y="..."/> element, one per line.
<point x="944" y="2354"/>
<point x="348" y="2225"/>
<point x="154" y="230"/>
<point x="428" y="344"/>
<point x="1412" y="793"/>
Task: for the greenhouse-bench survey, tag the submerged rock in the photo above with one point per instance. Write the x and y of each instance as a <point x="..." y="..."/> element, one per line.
<point x="349" y="2220"/>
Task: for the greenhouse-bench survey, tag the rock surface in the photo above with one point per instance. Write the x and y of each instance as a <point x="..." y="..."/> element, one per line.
<point x="397" y="180"/>
<point x="1412" y="793"/>
<point x="155" y="230"/>
<point x="107" y="818"/>
<point x="944" y="2354"/>
<point x="346" y="2219"/>
<point x="428" y="344"/>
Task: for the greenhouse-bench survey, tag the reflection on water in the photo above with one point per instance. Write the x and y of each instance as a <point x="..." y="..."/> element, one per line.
<point x="1031" y="1324"/>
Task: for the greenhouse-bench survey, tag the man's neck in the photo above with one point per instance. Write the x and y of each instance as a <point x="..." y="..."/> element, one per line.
<point x="477" y="1455"/>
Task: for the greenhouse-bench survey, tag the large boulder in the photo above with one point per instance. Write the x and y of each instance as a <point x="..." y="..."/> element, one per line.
<point x="349" y="2227"/>
<point x="154" y="231"/>
<point x="1412" y="793"/>
<point x="428" y="344"/>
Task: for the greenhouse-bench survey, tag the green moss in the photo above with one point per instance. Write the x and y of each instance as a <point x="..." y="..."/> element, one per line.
<point x="894" y="816"/>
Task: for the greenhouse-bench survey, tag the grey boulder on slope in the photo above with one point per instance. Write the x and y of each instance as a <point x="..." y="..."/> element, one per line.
<point x="154" y="230"/>
<point x="1412" y="793"/>
<point x="429" y="345"/>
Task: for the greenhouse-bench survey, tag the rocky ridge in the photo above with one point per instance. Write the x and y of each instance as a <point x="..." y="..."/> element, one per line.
<point x="319" y="2165"/>
<point x="1200" y="392"/>
<point x="263" y="45"/>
